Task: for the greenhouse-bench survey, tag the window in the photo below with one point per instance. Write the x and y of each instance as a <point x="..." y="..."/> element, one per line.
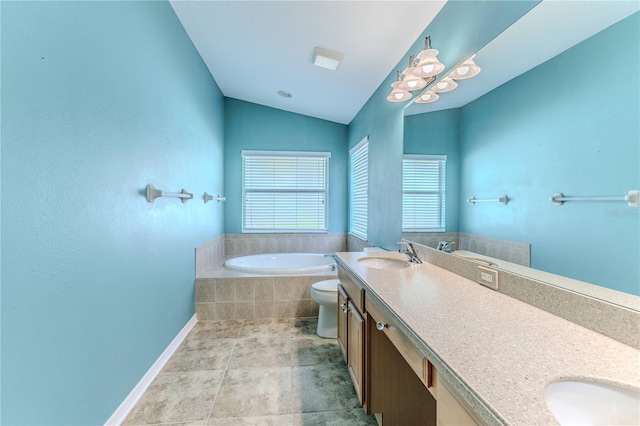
<point x="423" y="193"/>
<point x="359" y="178"/>
<point x="284" y="191"/>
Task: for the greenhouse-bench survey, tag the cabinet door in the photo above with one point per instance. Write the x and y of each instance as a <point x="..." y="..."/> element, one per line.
<point x="355" y="351"/>
<point x="342" y="322"/>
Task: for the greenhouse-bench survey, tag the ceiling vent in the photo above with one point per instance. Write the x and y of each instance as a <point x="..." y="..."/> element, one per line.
<point x="327" y="59"/>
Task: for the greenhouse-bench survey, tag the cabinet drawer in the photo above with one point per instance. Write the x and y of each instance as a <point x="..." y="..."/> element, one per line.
<point x="417" y="362"/>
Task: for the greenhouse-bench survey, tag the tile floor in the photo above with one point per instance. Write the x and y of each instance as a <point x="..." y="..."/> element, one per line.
<point x="252" y="372"/>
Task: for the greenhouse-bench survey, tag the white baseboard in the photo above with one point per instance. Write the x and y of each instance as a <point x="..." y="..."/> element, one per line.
<point x="130" y="401"/>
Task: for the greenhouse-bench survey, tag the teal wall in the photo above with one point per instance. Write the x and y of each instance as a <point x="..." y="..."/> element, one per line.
<point x="438" y="133"/>
<point x="382" y="121"/>
<point x="562" y="127"/>
<point x="255" y="127"/>
<point x="459" y="30"/>
<point x="98" y="100"/>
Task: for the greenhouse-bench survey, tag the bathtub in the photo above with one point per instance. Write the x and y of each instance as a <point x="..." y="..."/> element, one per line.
<point x="282" y="263"/>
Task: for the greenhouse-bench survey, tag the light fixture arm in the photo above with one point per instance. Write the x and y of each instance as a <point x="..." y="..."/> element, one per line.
<point x="427" y="42"/>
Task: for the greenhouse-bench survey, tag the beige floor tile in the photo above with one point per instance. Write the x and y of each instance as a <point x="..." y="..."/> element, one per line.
<point x="201" y="354"/>
<point x="278" y="372"/>
<point x="315" y="351"/>
<point x="284" y="420"/>
<point x="215" y="330"/>
<point x="177" y="397"/>
<point x="265" y="327"/>
<point x="261" y="352"/>
<point x="322" y="388"/>
<point x="254" y="392"/>
<point x="197" y="423"/>
<point x="304" y="327"/>
<point x="354" y="417"/>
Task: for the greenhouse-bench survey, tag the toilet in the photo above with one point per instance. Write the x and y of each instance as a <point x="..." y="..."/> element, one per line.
<point x="325" y="293"/>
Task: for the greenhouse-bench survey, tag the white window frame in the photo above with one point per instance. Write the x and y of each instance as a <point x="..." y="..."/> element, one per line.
<point x="424" y="195"/>
<point x="359" y="188"/>
<point x="283" y="185"/>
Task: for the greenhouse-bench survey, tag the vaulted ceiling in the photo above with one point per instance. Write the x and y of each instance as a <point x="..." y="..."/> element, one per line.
<point x="254" y="49"/>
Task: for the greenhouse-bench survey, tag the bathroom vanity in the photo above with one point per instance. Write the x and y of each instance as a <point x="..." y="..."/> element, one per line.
<point x="426" y="346"/>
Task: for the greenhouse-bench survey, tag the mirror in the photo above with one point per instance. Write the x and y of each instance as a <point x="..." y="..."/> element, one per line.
<point x="560" y="127"/>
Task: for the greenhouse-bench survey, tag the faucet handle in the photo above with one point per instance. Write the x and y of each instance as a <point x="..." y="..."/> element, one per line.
<point x="445" y="245"/>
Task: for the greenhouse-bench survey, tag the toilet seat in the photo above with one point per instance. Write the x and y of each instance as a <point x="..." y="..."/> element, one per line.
<point x="326" y="286"/>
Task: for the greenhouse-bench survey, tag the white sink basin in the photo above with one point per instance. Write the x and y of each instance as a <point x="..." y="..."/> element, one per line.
<point x="576" y="402"/>
<point x="383" y="263"/>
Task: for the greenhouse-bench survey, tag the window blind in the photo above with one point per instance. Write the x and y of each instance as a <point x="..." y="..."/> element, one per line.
<point x="359" y="188"/>
<point x="423" y="193"/>
<point x="285" y="191"/>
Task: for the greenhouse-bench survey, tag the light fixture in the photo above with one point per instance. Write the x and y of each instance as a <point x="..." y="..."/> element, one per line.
<point x="397" y="94"/>
<point x="445" y="85"/>
<point x="428" y="63"/>
<point x="427" y="97"/>
<point x="410" y="82"/>
<point x="422" y="71"/>
<point x="327" y="59"/>
<point x="468" y="69"/>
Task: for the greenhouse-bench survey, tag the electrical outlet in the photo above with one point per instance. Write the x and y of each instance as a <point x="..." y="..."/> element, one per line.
<point x="488" y="277"/>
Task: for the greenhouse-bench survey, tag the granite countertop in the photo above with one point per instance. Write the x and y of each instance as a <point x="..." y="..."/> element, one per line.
<point x="497" y="352"/>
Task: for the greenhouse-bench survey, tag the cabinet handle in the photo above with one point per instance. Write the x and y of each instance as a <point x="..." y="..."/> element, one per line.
<point x="381" y="326"/>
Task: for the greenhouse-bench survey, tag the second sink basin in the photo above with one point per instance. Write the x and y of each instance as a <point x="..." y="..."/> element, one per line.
<point x="383" y="263"/>
<point x="577" y="402"/>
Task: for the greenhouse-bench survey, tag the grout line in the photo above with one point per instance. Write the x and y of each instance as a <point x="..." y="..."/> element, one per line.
<point x="226" y="368"/>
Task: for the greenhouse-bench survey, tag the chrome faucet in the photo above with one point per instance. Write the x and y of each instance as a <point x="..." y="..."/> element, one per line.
<point x="407" y="248"/>
<point x="333" y="266"/>
<point x="446" y="246"/>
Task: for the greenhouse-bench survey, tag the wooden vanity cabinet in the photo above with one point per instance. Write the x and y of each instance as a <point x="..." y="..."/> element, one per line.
<point x="391" y="378"/>
<point x="355" y="358"/>
<point x="398" y="377"/>
<point x="351" y="330"/>
<point x="343" y="317"/>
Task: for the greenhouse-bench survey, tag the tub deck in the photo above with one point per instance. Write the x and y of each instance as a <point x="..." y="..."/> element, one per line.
<point x="223" y="293"/>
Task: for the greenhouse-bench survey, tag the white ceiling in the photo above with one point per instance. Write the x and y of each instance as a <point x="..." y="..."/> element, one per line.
<point x="253" y="49"/>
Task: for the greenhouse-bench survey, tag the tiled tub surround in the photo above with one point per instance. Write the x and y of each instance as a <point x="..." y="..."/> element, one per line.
<point x="209" y="253"/>
<point x="356" y="243"/>
<point x="225" y="294"/>
<point x="573" y="300"/>
<point x="233" y="245"/>
<point x="243" y="244"/>
<point x="510" y="251"/>
<point x="222" y="294"/>
<point x="497" y="352"/>
<point x="252" y="372"/>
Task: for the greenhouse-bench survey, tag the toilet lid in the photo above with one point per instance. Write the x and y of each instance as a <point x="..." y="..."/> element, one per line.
<point x="330" y="286"/>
